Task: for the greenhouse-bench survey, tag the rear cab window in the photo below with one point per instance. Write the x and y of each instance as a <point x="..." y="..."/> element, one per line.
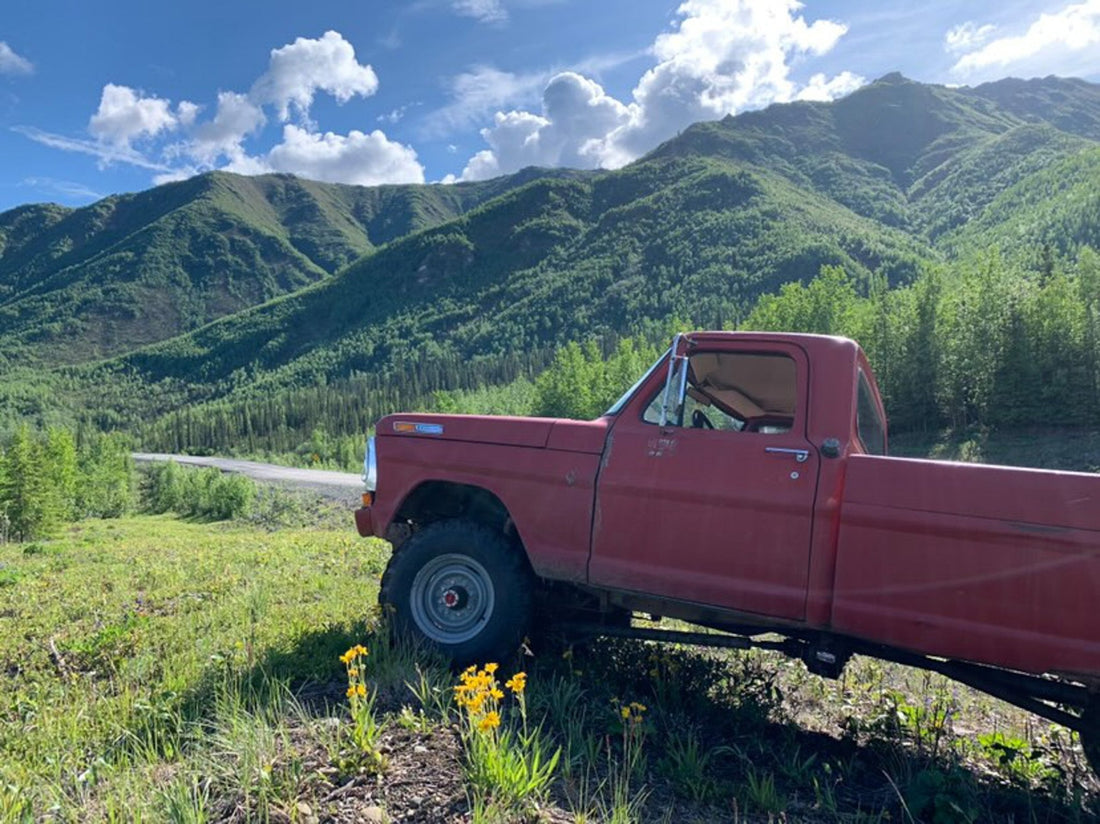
<point x="870" y="427"/>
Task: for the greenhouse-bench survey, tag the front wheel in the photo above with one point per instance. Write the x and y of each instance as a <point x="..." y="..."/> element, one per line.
<point x="463" y="588"/>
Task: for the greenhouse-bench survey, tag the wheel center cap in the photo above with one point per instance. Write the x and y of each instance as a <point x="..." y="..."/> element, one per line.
<point x="455" y="598"/>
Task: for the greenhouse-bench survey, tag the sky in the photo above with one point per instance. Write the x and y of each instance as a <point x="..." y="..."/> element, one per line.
<point x="98" y="98"/>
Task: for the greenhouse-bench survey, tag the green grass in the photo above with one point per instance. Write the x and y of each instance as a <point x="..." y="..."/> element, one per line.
<point x="129" y="647"/>
<point x="153" y="669"/>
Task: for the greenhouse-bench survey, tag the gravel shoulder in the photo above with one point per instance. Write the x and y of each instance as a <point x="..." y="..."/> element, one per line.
<point x="339" y="486"/>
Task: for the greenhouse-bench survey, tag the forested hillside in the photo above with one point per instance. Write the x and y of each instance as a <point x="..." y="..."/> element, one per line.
<point x="77" y="285"/>
<point x="900" y="192"/>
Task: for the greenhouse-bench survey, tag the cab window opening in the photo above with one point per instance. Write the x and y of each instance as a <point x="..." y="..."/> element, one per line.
<point x="731" y="391"/>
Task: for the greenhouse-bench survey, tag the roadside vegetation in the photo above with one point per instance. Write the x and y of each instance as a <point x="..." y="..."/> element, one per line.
<point x="169" y="668"/>
<point x="47" y="481"/>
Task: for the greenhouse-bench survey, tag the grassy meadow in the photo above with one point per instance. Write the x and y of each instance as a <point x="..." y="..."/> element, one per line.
<point x="130" y="648"/>
<point x="154" y="668"/>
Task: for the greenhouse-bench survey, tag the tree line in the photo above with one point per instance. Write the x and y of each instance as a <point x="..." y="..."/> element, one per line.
<point x="49" y="478"/>
<point x="53" y="477"/>
<point x="987" y="342"/>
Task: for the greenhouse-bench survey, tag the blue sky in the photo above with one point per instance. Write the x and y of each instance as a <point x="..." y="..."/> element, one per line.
<point x="119" y="95"/>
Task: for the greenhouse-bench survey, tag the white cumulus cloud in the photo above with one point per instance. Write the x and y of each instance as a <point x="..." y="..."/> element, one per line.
<point x="298" y="70"/>
<point x="577" y="113"/>
<point x="822" y="89"/>
<point x="359" y="158"/>
<point x="125" y="115"/>
<point x="187" y="112"/>
<point x="721" y="57"/>
<point x="12" y="63"/>
<point x="133" y="127"/>
<point x="236" y="118"/>
<point x="1062" y="42"/>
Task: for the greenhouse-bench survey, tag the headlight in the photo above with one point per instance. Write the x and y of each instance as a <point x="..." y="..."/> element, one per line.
<point x="370" y="467"/>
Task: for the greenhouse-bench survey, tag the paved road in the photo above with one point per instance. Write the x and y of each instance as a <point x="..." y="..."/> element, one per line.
<point x="339" y="485"/>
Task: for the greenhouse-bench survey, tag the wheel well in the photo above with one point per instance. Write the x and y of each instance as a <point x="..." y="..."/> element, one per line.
<point x="436" y="500"/>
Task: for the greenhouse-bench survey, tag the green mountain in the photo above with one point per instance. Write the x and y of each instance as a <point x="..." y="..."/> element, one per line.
<point x="133" y="269"/>
<point x="549" y="262"/>
<point x="389" y="293"/>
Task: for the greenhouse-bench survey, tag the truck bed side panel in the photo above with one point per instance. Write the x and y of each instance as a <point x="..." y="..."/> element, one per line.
<point x="980" y="563"/>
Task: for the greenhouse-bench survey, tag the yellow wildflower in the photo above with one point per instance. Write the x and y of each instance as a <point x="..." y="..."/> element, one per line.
<point x="625" y="711"/>
<point x="490" y="721"/>
<point x="360" y="690"/>
<point x="517" y="683"/>
<point x="350" y="692"/>
<point x="353" y="653"/>
<point x="491" y="668"/>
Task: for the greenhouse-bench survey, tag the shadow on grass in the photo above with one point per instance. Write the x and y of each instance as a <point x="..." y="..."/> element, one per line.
<point x="720" y="733"/>
<point x="719" y="739"/>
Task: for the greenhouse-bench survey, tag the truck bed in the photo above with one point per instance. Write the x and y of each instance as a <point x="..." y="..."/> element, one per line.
<point x="981" y="563"/>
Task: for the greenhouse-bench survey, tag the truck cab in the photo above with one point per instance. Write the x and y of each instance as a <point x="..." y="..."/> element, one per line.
<point x="718" y="470"/>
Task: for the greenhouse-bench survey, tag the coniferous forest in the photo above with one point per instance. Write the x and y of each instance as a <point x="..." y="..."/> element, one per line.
<point x="951" y="231"/>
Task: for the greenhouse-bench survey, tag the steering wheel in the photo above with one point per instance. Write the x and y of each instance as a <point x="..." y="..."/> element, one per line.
<point x="700" y="421"/>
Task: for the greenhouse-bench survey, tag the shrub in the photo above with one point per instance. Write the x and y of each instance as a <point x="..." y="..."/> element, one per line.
<point x="198" y="493"/>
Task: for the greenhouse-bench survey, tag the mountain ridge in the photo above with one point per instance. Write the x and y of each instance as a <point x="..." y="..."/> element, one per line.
<point x="452" y="281"/>
<point x="133" y="269"/>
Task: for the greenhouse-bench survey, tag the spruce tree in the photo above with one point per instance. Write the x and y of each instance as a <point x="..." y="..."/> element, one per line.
<point x="25" y="494"/>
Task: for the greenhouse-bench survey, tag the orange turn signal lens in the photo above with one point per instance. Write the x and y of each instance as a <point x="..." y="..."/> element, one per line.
<point x="368" y="498"/>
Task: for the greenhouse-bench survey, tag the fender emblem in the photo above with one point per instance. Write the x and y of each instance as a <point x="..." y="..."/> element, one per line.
<point x="418" y="428"/>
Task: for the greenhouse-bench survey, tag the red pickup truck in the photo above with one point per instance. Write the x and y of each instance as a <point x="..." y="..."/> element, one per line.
<point x="742" y="484"/>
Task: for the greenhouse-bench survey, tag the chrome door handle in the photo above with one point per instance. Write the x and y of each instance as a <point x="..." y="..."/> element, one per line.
<point x="800" y="455"/>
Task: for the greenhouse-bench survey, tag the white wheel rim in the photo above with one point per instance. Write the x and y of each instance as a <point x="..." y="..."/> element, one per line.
<point x="452" y="598"/>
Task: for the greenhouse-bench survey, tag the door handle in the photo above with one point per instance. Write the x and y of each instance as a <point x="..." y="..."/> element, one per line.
<point x="800" y="455"/>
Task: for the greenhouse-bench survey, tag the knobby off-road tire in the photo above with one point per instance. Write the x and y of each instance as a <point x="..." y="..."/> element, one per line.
<point x="1090" y="735"/>
<point x="463" y="588"/>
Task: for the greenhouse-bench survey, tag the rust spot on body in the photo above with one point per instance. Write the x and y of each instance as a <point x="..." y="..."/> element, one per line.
<point x="660" y="447"/>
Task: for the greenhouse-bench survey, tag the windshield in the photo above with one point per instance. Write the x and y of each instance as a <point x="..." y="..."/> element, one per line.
<point x="621" y="402"/>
